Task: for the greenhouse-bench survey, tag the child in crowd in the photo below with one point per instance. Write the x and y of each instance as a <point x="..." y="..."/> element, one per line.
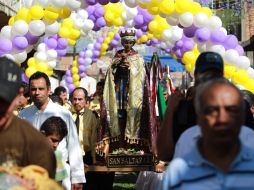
<point x="55" y="129"/>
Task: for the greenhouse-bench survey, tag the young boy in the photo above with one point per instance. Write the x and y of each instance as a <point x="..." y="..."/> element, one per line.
<point x="55" y="129"/>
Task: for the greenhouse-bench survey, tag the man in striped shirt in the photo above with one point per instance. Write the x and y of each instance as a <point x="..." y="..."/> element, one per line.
<point x="219" y="160"/>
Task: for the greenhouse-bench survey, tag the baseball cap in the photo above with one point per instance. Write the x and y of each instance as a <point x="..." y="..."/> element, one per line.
<point x="10" y="79"/>
<point x="209" y="61"/>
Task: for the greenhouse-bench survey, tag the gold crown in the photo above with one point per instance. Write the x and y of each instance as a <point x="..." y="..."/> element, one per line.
<point x="127" y="33"/>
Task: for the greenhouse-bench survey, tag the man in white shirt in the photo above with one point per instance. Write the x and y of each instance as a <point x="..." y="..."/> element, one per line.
<point x="44" y="108"/>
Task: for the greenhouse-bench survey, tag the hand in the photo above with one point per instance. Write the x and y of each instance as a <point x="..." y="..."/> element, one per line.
<point x="77" y="186"/>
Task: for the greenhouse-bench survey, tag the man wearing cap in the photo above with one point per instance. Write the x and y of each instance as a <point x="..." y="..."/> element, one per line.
<point x="20" y="143"/>
<point x="180" y="113"/>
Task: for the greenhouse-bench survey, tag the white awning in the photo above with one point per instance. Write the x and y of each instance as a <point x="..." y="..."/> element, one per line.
<point x="8" y="7"/>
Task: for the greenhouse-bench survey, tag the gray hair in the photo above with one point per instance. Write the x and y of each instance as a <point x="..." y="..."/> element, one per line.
<point x="203" y="87"/>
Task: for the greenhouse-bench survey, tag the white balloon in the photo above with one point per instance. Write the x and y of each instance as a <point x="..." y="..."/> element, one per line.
<point x="52" y="54"/>
<point x="52" y="63"/>
<point x="129" y="23"/>
<point x="88" y="25"/>
<point x="186" y="19"/>
<point x="170" y="44"/>
<point x="251" y="72"/>
<point x="73" y="4"/>
<point x="171" y="20"/>
<point x="6" y="32"/>
<point x="214" y="23"/>
<point x="163" y="45"/>
<point x="177" y="33"/>
<point x="218" y="49"/>
<point x="200" y="20"/>
<point x="131" y="12"/>
<point x="201" y="47"/>
<point x="73" y="15"/>
<point x="41" y="56"/>
<point x="37" y="27"/>
<point x="83" y="14"/>
<point x="166" y="35"/>
<point x="231" y="56"/>
<point x="20" y="27"/>
<point x="88" y="61"/>
<point x="243" y="62"/>
<point x="224" y="30"/>
<point x="89" y="47"/>
<point x="52" y="29"/>
<point x="29" y="48"/>
<point x="131" y="3"/>
<point x="9" y="56"/>
<point x="79" y="23"/>
<point x="20" y="57"/>
<point x="41" y="47"/>
<point x="58" y="3"/>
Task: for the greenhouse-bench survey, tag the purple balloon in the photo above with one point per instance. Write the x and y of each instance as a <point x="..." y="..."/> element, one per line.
<point x="139" y="33"/>
<point x="139" y="20"/>
<point x="100" y="39"/>
<point x="62" y="43"/>
<point x="240" y="50"/>
<point x="230" y="42"/>
<point x="190" y="31"/>
<point x="82" y="75"/>
<point x="114" y="43"/>
<point x="61" y="52"/>
<point x="144" y="28"/>
<point x="188" y="45"/>
<point x="51" y="43"/>
<point x="81" y="61"/>
<point x="100" y="22"/>
<point x="55" y="36"/>
<point x="103" y="2"/>
<point x="117" y="37"/>
<point x="24" y="78"/>
<point x="68" y="73"/>
<point x="217" y="37"/>
<point x="81" y="68"/>
<point x="71" y="87"/>
<point x="91" y="2"/>
<point x="31" y="38"/>
<point x="97" y="45"/>
<point x="69" y="79"/>
<point x="178" y="53"/>
<point x="114" y="1"/>
<point x="179" y="44"/>
<point x="96" y="53"/>
<point x="202" y="34"/>
<point x="20" y="42"/>
<point x="154" y="41"/>
<point x="99" y="12"/>
<point x="6" y="46"/>
<point x="90" y="9"/>
<point x="81" y="54"/>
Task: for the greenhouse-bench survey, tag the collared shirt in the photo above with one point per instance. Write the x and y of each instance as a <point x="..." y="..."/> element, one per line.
<point x="190" y="136"/>
<point x="69" y="146"/>
<point x="194" y="172"/>
<point x="88" y="124"/>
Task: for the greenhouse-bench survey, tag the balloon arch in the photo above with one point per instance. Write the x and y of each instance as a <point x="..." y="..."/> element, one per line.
<point x="182" y="28"/>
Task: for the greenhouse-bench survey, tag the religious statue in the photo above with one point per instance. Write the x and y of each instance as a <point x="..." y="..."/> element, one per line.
<point x="126" y="120"/>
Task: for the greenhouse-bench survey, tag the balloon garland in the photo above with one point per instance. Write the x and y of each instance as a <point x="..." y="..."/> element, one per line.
<point x="180" y="27"/>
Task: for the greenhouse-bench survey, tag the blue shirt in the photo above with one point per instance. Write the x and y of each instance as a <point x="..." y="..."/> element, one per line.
<point x="193" y="172"/>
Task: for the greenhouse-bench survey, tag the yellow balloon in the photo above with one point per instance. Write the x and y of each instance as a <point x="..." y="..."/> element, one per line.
<point x="51" y="14"/>
<point x="107" y="40"/>
<point x="229" y="70"/>
<point x="118" y="21"/>
<point x="249" y="85"/>
<point x="189" y="58"/>
<point x="71" y="42"/>
<point x="189" y="67"/>
<point x="65" y="12"/>
<point x="207" y="11"/>
<point x="143" y="5"/>
<point x="149" y="35"/>
<point x="30" y="71"/>
<point x="143" y="39"/>
<point x="42" y="66"/>
<point x="182" y="6"/>
<point x="74" y="63"/>
<point x="111" y="34"/>
<point x="154" y="10"/>
<point x="23" y="14"/>
<point x="75" y="77"/>
<point x="167" y="7"/>
<point x="75" y="34"/>
<point x="240" y="76"/>
<point x="76" y="84"/>
<point x="31" y="62"/>
<point x="195" y="8"/>
<point x="109" y="16"/>
<point x="153" y="26"/>
<point x="74" y="70"/>
<point x="104" y="46"/>
<point x="64" y="32"/>
<point x="11" y="21"/>
<point x="36" y="12"/>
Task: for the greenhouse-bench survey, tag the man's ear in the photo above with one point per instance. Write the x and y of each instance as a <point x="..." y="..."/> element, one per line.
<point x="43" y="132"/>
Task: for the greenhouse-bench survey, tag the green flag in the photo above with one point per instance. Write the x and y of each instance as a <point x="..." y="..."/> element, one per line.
<point x="161" y="102"/>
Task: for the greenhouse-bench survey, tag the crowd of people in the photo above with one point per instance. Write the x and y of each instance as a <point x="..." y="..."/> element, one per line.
<point x="205" y="141"/>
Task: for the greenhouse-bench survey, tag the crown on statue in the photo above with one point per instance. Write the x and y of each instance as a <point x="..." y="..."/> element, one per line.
<point x="125" y="33"/>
